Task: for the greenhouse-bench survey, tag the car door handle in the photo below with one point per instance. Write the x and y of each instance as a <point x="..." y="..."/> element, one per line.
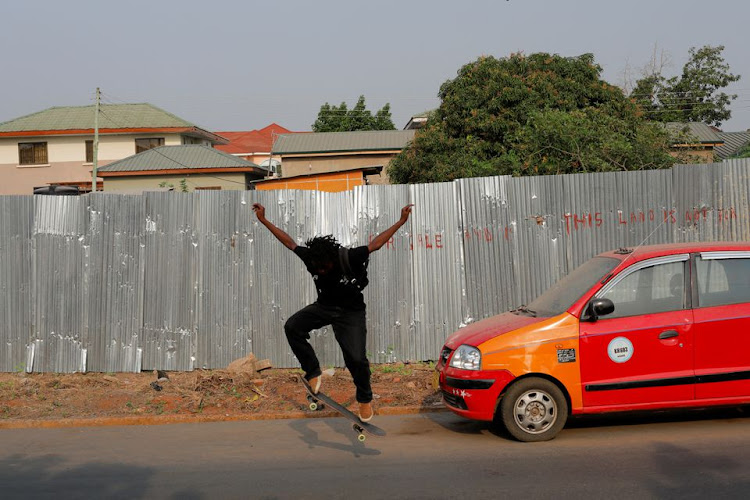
<point x="668" y="334"/>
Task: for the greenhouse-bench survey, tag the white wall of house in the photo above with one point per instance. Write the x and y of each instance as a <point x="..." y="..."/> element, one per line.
<point x="67" y="158"/>
<point x="136" y="184"/>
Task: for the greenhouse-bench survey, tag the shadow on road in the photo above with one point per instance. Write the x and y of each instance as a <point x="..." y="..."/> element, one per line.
<point x="718" y="473"/>
<point x="49" y="476"/>
<point x="460" y="425"/>
<point x="657" y="417"/>
<point x="342" y="426"/>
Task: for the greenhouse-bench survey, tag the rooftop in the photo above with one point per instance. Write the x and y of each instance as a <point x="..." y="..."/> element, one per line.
<point x="699" y="131"/>
<point x="331" y="142"/>
<point x="186" y="157"/>
<point x="113" y="118"/>
<point x="252" y="141"/>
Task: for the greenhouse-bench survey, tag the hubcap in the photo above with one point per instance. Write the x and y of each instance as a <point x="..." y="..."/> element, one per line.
<point x="535" y="411"/>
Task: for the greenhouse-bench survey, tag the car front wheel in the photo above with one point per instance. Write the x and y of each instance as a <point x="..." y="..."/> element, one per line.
<point x="534" y="409"/>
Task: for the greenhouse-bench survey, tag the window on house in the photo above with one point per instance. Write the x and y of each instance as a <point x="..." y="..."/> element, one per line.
<point x="89" y="151"/>
<point x="32" y="153"/>
<point x="142" y="145"/>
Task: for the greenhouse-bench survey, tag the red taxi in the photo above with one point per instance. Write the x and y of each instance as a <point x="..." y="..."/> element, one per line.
<point x="665" y="326"/>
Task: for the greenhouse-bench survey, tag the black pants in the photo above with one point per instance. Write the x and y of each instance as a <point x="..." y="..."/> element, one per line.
<point x="351" y="334"/>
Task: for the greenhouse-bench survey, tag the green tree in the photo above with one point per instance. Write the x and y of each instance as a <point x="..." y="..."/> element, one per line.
<point x="742" y="153"/>
<point x="530" y="115"/>
<point x="341" y="119"/>
<point x="695" y="95"/>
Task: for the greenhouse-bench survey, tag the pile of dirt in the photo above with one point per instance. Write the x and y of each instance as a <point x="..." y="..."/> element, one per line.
<point x="275" y="393"/>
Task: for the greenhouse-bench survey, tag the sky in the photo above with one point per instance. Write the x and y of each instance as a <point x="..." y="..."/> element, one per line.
<point x="243" y="64"/>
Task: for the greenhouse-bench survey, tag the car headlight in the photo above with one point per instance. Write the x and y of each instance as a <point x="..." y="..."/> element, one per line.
<point x="467" y="357"/>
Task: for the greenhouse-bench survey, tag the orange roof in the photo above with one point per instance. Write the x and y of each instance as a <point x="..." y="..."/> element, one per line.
<point x="253" y="141"/>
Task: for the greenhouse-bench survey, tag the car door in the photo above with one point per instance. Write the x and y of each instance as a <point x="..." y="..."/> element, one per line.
<point x="641" y="354"/>
<point x="722" y="324"/>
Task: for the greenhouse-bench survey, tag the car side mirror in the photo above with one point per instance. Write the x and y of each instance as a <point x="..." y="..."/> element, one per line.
<point x="596" y="308"/>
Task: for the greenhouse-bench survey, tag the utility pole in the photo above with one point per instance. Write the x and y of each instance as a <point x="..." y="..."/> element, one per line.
<point x="96" y="140"/>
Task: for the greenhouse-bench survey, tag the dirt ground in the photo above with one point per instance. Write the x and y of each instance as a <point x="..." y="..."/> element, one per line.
<point x="275" y="393"/>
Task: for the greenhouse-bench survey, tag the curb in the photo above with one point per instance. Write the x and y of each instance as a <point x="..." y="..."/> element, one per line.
<point x="197" y="419"/>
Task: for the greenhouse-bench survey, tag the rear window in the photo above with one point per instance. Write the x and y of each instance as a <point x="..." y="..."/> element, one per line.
<point x="723" y="281"/>
<point x="570" y="288"/>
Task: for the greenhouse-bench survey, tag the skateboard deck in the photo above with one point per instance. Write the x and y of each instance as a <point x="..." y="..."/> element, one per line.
<point x="359" y="426"/>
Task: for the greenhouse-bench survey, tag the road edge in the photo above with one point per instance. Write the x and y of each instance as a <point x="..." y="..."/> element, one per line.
<point x="197" y="418"/>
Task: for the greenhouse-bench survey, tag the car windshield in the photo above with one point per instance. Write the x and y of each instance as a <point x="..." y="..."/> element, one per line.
<point x="560" y="296"/>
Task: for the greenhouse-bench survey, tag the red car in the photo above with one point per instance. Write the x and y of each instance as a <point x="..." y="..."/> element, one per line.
<point x="664" y="326"/>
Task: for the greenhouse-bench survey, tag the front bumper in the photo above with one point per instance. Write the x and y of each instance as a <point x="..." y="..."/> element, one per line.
<point x="472" y="394"/>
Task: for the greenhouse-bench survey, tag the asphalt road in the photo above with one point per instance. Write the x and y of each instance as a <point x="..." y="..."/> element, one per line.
<point x="438" y="455"/>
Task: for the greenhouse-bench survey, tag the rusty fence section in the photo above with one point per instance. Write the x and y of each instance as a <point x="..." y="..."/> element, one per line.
<point x="180" y="281"/>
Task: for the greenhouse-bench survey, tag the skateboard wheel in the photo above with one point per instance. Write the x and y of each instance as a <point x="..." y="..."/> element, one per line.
<point x="313" y="405"/>
<point x="361" y="438"/>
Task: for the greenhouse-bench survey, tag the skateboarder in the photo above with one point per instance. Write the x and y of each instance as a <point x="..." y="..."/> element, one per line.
<point x="340" y="303"/>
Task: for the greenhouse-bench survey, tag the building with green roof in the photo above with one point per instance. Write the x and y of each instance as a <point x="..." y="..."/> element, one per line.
<point x="369" y="151"/>
<point x="56" y="146"/>
<point x="188" y="167"/>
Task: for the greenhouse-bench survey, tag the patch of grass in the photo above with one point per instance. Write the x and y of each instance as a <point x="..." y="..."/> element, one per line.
<point x="231" y="391"/>
<point x="156" y="406"/>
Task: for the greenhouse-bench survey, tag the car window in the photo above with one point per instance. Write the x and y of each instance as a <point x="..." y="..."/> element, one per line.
<point x="653" y="289"/>
<point x="723" y="281"/>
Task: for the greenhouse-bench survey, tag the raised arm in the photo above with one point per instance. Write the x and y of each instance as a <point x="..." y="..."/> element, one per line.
<point x="386" y="235"/>
<point x="260" y="212"/>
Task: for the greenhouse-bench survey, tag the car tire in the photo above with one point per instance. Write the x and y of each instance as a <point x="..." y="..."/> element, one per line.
<point x="534" y="409"/>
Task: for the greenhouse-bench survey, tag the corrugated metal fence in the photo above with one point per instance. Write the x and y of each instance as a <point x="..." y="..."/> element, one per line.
<point x="180" y="281"/>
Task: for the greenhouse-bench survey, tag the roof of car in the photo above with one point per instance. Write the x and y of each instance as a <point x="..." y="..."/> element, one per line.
<point x="649" y="251"/>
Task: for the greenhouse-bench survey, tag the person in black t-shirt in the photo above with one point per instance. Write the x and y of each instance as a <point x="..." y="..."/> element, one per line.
<point x="340" y="275"/>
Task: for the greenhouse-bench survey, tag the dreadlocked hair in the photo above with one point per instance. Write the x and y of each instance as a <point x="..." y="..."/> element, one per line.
<point x="323" y="248"/>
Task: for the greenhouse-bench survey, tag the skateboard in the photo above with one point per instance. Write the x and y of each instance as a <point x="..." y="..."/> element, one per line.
<point x="359" y="427"/>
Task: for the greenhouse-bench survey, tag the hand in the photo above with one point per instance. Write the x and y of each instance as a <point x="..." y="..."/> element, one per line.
<point x="406" y="211"/>
<point x="260" y="211"/>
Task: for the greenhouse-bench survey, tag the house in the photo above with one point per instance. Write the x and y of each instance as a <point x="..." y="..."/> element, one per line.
<point x="56" y="146"/>
<point x="361" y="155"/>
<point x="254" y="145"/>
<point x="693" y="142"/>
<point x="183" y="168"/>
<point x="734" y="143"/>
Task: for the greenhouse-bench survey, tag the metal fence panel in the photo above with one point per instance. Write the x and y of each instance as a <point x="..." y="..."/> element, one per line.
<point x="539" y="255"/>
<point x="16" y="223"/>
<point x="168" y="334"/>
<point x="488" y="250"/>
<point x="59" y="284"/>
<point x="114" y="269"/>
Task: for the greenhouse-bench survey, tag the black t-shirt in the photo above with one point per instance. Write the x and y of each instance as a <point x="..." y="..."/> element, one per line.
<point x="335" y="289"/>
